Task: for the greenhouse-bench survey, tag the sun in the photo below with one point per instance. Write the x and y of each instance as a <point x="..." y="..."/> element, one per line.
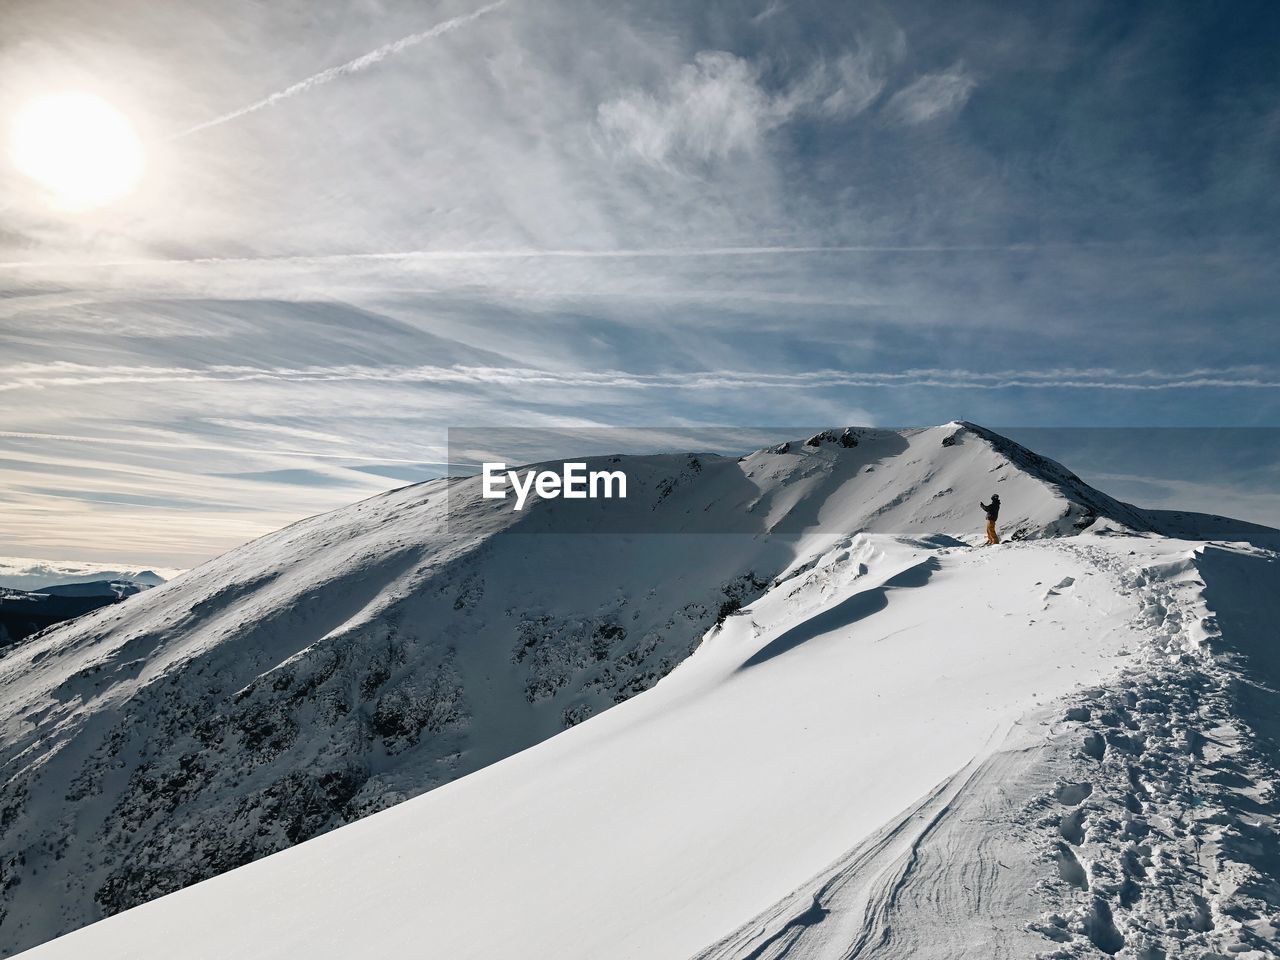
<point x="80" y="148"/>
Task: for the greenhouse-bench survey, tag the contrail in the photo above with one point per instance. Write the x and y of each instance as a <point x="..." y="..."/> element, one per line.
<point x="72" y="375"/>
<point x="351" y="66"/>
<point x="195" y="444"/>
<point x="530" y="253"/>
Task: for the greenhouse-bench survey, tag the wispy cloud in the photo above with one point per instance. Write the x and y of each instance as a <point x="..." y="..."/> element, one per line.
<point x="363" y="62"/>
<point x="190" y="444"/>
<point x="713" y="109"/>
<point x="654" y="212"/>
<point x="933" y="96"/>
<point x="70" y="375"/>
<point x="30" y="573"/>
<point x="771" y="9"/>
<point x="719" y="105"/>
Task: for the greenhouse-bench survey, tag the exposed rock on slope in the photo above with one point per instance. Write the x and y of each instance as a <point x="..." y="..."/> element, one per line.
<point x="356" y="659"/>
<point x="23" y="613"/>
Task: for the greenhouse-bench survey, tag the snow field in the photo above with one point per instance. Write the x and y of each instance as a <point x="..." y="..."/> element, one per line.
<point x="807" y="721"/>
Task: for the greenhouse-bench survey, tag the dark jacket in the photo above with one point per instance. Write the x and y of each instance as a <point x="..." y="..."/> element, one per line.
<point x="992" y="508"/>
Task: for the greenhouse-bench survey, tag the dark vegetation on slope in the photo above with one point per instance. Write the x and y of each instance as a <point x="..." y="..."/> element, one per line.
<point x="343" y="665"/>
<point x="25" y="613"/>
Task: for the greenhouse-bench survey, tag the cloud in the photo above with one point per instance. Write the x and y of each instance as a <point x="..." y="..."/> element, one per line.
<point x="187" y="444"/>
<point x="845" y="87"/>
<point x="655" y="213"/>
<point x="718" y="106"/>
<point x="932" y="96"/>
<point x="70" y="375"/>
<point x="30" y="573"/>
<point x="712" y="110"/>
<point x="351" y="66"/>
<point x="771" y="9"/>
<point x="620" y="253"/>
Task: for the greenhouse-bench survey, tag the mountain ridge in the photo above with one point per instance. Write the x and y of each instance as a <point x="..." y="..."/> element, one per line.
<point x="905" y="748"/>
<point x="352" y="660"/>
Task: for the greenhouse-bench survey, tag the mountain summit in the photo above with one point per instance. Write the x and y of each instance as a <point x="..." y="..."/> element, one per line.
<point x="357" y="659"/>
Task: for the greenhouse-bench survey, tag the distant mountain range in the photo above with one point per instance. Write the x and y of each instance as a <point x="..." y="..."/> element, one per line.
<point x="26" y="612"/>
<point x="33" y="575"/>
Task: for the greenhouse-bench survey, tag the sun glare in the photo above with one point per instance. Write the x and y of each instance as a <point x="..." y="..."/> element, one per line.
<point x="81" y="149"/>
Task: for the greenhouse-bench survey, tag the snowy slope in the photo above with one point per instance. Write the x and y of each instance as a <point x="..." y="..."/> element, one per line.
<point x="1003" y="751"/>
<point x="350" y="661"/>
<point x="1136" y="817"/>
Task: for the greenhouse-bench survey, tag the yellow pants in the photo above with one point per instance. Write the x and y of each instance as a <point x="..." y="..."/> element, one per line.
<point x="991" y="532"/>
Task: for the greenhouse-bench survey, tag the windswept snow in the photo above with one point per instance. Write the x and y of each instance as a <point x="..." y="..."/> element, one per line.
<point x="1134" y="818"/>
<point x="801" y="726"/>
<point x="887" y="742"/>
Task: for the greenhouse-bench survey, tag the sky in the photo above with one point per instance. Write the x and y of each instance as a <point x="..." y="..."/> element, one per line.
<point x="363" y="222"/>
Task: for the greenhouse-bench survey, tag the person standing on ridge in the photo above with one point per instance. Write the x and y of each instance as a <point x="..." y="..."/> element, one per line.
<point x="993" y="513"/>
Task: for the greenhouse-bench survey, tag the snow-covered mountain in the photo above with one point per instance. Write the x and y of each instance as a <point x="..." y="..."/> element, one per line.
<point x="868" y="696"/>
<point x="117" y="589"/>
<point x="24" y="613"/>
<point x="26" y="573"/>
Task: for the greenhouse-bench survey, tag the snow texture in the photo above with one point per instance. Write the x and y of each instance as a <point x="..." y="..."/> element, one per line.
<point x="887" y="743"/>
